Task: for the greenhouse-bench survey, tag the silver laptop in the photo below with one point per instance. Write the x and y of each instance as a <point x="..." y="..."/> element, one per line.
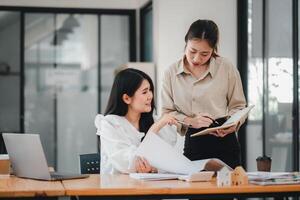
<point x="28" y="160"/>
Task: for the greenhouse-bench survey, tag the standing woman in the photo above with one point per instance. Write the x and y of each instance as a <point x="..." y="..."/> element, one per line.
<point x="201" y="87"/>
<point x="128" y="117"/>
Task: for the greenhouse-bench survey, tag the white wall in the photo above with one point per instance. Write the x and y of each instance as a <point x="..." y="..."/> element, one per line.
<point x="172" y="18"/>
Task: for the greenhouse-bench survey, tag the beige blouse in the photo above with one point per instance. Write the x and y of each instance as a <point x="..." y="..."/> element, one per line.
<point x="218" y="92"/>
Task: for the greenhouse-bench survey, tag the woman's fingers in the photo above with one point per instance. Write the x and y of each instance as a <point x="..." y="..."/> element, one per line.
<point x="146" y="164"/>
<point x="137" y="163"/>
<point x="206" y="115"/>
<point x="170" y="119"/>
<point x="220" y="133"/>
<point x="214" y="133"/>
<point x="142" y="165"/>
<point x="204" y="120"/>
<point x="154" y="170"/>
<point x="224" y="132"/>
<point x="203" y="123"/>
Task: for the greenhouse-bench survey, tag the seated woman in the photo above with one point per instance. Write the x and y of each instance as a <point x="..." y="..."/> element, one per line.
<point x="128" y="117"/>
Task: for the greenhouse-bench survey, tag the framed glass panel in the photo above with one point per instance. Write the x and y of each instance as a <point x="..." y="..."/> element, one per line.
<point x="61" y="95"/>
<point x="255" y="83"/>
<point x="147" y="33"/>
<point x="10" y="102"/>
<point x="40" y="97"/>
<point x="114" y="51"/>
<point x="280" y="84"/>
<point x="298" y="70"/>
<point x="68" y="68"/>
<point x="76" y="85"/>
<point x="270" y="82"/>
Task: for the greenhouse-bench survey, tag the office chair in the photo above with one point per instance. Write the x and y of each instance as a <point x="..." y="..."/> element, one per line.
<point x="89" y="163"/>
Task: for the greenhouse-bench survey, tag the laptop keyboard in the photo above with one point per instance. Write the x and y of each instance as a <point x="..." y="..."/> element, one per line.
<point x="57" y="176"/>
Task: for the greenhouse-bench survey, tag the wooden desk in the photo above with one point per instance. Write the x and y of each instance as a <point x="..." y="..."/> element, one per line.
<point x="19" y="187"/>
<point x="121" y="186"/>
<point x="116" y="186"/>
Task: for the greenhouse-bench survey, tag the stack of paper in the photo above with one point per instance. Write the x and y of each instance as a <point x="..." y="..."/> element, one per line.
<point x="200" y="176"/>
<point x="153" y="176"/>
<point x="274" y="178"/>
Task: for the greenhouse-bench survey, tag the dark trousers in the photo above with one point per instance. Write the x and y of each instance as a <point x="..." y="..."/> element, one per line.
<point x="225" y="148"/>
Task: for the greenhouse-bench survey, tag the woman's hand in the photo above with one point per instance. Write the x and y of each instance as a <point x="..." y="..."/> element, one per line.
<point x="201" y="120"/>
<point x="224" y="132"/>
<point x="164" y="120"/>
<point x="142" y="166"/>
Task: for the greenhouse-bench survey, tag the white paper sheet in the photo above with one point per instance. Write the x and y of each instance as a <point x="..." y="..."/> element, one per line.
<point x="153" y="176"/>
<point x="199" y="176"/>
<point x="164" y="157"/>
<point x="236" y="117"/>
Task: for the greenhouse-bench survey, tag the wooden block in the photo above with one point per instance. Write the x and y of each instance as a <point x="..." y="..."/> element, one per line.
<point x="239" y="176"/>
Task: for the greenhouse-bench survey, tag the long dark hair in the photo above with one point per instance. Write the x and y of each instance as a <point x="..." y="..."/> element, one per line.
<point x="204" y="30"/>
<point x="127" y="82"/>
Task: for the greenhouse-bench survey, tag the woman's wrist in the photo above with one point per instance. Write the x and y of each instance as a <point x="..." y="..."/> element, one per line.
<point x="155" y="127"/>
<point x="188" y="121"/>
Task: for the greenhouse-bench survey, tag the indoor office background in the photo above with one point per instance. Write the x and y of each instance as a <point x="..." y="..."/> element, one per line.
<point x="57" y="71"/>
<point x="57" y="62"/>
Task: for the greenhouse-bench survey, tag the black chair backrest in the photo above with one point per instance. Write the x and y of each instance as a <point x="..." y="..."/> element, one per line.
<point x="89" y="163"/>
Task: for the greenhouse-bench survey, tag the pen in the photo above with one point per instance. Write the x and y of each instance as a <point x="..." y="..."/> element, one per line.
<point x="214" y="121"/>
<point x="183" y="123"/>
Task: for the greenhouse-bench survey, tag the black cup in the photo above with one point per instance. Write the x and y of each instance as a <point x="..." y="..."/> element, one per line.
<point x="263" y="163"/>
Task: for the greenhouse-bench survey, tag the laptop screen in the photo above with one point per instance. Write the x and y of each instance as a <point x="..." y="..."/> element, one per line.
<point x="27" y="155"/>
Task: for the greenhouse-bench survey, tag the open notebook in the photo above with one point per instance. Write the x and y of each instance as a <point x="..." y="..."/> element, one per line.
<point x="231" y="121"/>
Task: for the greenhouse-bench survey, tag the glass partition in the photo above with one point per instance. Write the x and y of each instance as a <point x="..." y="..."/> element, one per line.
<point x="67" y="62"/>
<point x="61" y="84"/>
<point x="270" y="78"/>
<point x="10" y="101"/>
<point x="146" y="14"/>
<point x="280" y="84"/>
<point x="114" y="51"/>
<point x="255" y="83"/>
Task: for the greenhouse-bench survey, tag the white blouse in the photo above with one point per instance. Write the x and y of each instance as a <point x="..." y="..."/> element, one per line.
<point x="119" y="141"/>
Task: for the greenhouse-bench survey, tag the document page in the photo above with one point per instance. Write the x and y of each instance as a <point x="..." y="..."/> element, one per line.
<point x="211" y="164"/>
<point x="164" y="157"/>
<point x="236" y="117"/>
